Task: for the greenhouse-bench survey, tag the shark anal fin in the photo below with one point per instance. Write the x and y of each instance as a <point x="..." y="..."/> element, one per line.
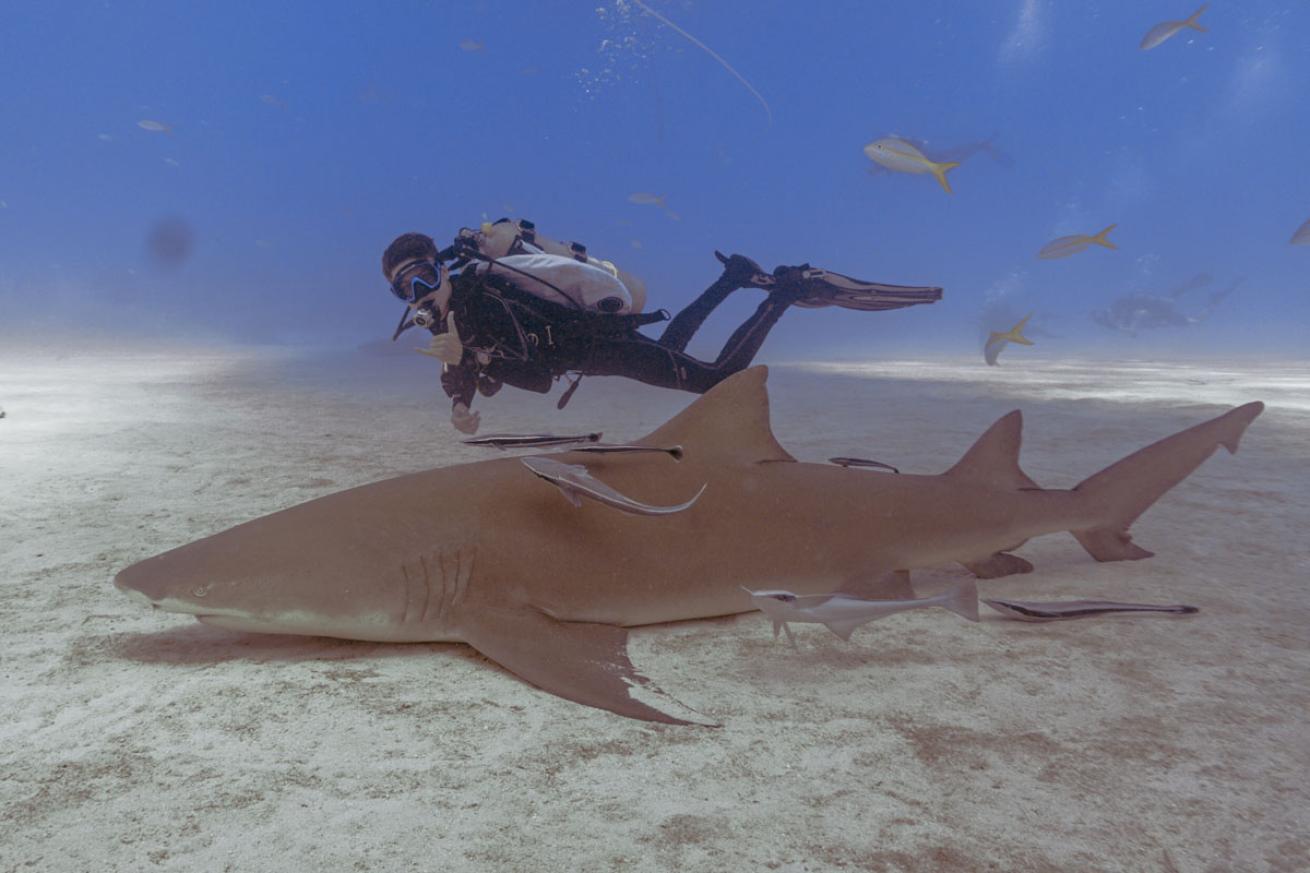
<point x="998" y="565"/>
<point x="889" y="586"/>
<point x="585" y="662"/>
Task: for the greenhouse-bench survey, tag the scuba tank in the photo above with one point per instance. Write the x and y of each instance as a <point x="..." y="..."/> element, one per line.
<point x="508" y="237"/>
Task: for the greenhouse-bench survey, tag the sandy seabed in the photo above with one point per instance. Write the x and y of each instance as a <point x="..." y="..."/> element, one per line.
<point x="133" y="740"/>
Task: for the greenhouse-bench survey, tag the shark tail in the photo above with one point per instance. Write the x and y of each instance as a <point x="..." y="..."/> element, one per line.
<point x="1127" y="488"/>
<point x="963" y="601"/>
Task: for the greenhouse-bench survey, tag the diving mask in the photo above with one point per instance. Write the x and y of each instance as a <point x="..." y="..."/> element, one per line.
<point x="415" y="280"/>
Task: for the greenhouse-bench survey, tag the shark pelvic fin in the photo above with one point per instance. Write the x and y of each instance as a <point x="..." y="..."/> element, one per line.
<point x="585" y="662"/>
<point x="999" y="564"/>
<point x="729" y="422"/>
<point x="994" y="458"/>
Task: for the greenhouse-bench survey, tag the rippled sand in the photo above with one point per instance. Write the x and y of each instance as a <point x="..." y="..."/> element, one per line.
<point x="134" y="740"/>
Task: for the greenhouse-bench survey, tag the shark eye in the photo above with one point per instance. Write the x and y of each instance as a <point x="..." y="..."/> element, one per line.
<point x="200" y="590"/>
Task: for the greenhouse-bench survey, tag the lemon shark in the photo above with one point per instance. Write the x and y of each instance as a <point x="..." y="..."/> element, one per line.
<point x="492" y="554"/>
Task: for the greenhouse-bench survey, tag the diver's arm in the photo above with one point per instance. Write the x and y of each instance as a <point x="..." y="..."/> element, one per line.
<point x="460" y="384"/>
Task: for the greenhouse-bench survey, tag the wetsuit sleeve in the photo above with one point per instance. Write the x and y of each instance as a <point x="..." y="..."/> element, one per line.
<point x="460" y="383"/>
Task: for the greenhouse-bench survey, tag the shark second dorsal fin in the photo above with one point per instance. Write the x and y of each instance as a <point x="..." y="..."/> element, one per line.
<point x="994" y="458"/>
<point x="731" y="420"/>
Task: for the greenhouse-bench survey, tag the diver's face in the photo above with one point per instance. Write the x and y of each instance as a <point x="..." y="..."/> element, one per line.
<point x="422" y="284"/>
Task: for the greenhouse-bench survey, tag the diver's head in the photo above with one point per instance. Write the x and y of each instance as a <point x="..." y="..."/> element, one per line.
<point x="413" y="268"/>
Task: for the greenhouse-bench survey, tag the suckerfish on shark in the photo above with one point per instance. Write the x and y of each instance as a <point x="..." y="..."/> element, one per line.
<point x="842" y="613"/>
<point x="488" y="554"/>
<point x="1064" y="610"/>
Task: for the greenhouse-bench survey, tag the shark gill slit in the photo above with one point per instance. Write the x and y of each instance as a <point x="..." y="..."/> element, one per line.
<point x="435" y="584"/>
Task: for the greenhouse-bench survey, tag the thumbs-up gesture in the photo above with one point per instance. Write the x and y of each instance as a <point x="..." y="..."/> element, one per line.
<point x="446" y="347"/>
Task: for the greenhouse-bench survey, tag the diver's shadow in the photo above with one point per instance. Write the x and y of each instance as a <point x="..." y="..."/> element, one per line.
<point x="198" y="644"/>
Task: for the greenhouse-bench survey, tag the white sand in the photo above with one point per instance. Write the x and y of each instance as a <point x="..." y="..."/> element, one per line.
<point x="141" y="741"/>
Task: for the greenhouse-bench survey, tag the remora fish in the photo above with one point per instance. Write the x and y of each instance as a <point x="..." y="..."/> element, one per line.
<point x="575" y="482"/>
<point x="843" y="461"/>
<point x="842" y="613"/>
<point x="1063" y="610"/>
<point x="485" y="553"/>
<point x="530" y="440"/>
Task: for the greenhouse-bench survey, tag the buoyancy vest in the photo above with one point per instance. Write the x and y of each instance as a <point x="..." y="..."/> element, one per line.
<point x="508" y="238"/>
<point x="562" y="280"/>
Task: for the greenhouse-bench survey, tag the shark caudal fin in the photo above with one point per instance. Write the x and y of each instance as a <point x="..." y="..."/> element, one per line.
<point x="963" y="601"/>
<point x="994" y="458"/>
<point x="730" y="422"/>
<point x="1127" y="488"/>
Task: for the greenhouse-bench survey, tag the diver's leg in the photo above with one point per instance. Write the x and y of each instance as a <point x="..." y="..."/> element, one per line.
<point x="741" y="348"/>
<point x="638" y="357"/>
<point x="738" y="272"/>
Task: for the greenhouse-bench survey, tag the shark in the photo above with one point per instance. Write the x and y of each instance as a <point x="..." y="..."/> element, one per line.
<point x="494" y="555"/>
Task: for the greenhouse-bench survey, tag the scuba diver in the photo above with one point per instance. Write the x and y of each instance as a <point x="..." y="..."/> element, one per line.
<point x="506" y="306"/>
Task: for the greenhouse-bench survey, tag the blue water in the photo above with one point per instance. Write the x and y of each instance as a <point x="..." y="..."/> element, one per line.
<point x="303" y="136"/>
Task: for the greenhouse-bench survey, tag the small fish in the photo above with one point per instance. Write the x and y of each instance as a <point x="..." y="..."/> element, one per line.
<point x="4" y="204"/>
<point x="959" y="153"/>
<point x="471" y="45"/>
<point x="1063" y="610"/>
<point x="272" y="100"/>
<point x="861" y="462"/>
<point x="576" y="482"/>
<point x="645" y="198"/>
<point x="1166" y="29"/>
<point x="172" y="162"/>
<point x="530" y="440"/>
<point x="842" y="613"/>
<point x="1302" y="235"/>
<point x="104" y="137"/>
<point x="674" y="452"/>
<point x="154" y="126"/>
<point x="636" y="243"/>
<point x="998" y="341"/>
<point x="896" y="154"/>
<point x="1071" y="245"/>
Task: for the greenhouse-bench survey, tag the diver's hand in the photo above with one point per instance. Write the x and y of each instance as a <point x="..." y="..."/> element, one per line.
<point x="446" y="347"/>
<point x="463" y="420"/>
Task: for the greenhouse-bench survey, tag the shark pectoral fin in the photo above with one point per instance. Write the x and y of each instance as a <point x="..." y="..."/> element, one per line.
<point x="998" y="565"/>
<point x="889" y="586"/>
<point x="584" y="662"/>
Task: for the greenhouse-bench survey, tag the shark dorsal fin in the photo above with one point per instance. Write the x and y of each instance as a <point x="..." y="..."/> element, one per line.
<point x="994" y="458"/>
<point x="731" y="420"/>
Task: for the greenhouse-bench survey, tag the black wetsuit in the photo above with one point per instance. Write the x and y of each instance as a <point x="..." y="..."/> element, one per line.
<point x="528" y="342"/>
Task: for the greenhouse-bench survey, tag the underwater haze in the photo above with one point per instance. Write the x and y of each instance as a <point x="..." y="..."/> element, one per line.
<point x="232" y="172"/>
